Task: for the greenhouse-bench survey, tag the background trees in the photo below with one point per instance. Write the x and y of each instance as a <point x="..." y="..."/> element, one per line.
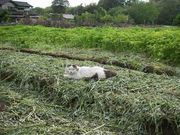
<point x="4" y="16"/>
<point x="162" y="12"/>
<point x="176" y="20"/>
<point x="59" y="6"/>
<point x="143" y="13"/>
<point x="169" y="9"/>
<point x="108" y="4"/>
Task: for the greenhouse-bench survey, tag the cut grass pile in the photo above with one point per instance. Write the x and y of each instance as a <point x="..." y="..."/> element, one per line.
<point x="26" y="112"/>
<point x="123" y="60"/>
<point x="131" y="103"/>
<point x="159" y="43"/>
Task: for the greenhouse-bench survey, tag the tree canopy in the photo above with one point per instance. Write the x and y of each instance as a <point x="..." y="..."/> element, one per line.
<point x="168" y="11"/>
<point x="59" y="6"/>
<point x="144" y="13"/>
<point x="163" y="12"/>
<point x="108" y="4"/>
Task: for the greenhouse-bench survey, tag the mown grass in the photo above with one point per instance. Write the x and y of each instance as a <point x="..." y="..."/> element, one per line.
<point x="130" y="103"/>
<point x="159" y="43"/>
<point x="26" y="112"/>
<point x="131" y="61"/>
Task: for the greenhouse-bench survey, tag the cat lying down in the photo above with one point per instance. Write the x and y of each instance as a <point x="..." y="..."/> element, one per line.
<point x="96" y="72"/>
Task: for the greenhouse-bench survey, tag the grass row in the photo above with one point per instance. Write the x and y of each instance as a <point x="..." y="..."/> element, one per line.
<point x="26" y="112"/>
<point x="159" y="43"/>
<point x="131" y="103"/>
<point x="124" y="60"/>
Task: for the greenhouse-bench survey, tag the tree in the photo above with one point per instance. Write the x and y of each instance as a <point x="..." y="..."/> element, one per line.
<point x="118" y="14"/>
<point x="78" y="10"/>
<point x="91" y="8"/>
<point x="117" y="10"/>
<point x="168" y="10"/>
<point x="4" y="16"/>
<point x="108" y="4"/>
<point x="176" y="21"/>
<point x="59" y="6"/>
<point x="143" y="13"/>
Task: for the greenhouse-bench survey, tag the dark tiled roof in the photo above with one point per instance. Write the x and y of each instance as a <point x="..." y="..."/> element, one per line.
<point x="21" y="4"/>
<point x="3" y="1"/>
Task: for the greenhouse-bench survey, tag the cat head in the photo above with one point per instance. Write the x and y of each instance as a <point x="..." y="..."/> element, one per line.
<point x="71" y="69"/>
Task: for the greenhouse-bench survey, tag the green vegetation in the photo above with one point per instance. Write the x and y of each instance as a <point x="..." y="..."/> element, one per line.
<point x="144" y="13"/>
<point x="109" y="12"/>
<point x="35" y="98"/>
<point x="59" y="6"/>
<point x="169" y="9"/>
<point x="40" y="100"/>
<point x="4" y="16"/>
<point x="158" y="43"/>
<point x="176" y="21"/>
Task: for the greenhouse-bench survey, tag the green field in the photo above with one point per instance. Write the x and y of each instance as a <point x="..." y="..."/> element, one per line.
<point x="158" y="43"/>
<point x="35" y="98"/>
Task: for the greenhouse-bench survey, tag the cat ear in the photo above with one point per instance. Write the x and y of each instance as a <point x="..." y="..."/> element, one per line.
<point x="74" y="66"/>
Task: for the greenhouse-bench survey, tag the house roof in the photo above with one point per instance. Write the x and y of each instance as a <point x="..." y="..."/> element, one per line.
<point x="68" y="16"/>
<point x="21" y="4"/>
<point x="3" y="1"/>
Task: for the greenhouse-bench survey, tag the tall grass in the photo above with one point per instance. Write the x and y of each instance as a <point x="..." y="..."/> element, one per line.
<point x="159" y="43"/>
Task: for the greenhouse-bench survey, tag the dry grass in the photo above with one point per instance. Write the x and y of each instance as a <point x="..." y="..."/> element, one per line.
<point x="124" y="61"/>
<point x="130" y="103"/>
<point x="27" y="112"/>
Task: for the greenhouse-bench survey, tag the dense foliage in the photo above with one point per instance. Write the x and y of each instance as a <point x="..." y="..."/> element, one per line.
<point x="161" y="12"/>
<point x="144" y="13"/>
<point x="108" y="4"/>
<point x="176" y="21"/>
<point x="3" y="16"/>
<point x="159" y="43"/>
<point x="140" y="12"/>
<point x="169" y="9"/>
<point x="59" y="6"/>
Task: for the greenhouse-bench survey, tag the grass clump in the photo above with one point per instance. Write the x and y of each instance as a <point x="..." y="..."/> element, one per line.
<point x="129" y="103"/>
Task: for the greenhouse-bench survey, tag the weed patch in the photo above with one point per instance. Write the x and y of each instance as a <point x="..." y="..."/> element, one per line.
<point x="159" y="43"/>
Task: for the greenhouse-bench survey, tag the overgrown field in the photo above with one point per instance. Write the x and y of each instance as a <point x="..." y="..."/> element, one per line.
<point x="158" y="43"/>
<point x="37" y="99"/>
<point x="143" y="99"/>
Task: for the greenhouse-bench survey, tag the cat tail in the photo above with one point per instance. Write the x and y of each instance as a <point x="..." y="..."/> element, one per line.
<point x="109" y="73"/>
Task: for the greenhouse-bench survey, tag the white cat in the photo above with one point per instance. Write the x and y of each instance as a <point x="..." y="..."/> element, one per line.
<point x="97" y="73"/>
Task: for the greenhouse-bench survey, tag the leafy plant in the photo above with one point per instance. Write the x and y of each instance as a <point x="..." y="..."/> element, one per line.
<point x="159" y="43"/>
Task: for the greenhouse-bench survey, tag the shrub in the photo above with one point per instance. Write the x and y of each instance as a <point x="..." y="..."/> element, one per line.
<point x="176" y="21"/>
<point x="121" y="18"/>
<point x="86" y="19"/>
<point x="106" y="19"/>
<point x="4" y="16"/>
